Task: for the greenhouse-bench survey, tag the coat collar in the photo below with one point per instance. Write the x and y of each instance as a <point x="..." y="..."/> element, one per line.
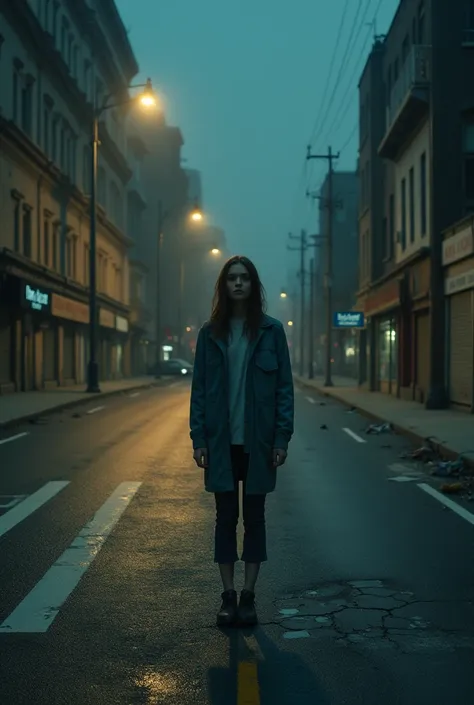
<point x="267" y="322"/>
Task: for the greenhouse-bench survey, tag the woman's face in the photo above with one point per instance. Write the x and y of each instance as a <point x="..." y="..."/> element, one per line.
<point x="238" y="283"/>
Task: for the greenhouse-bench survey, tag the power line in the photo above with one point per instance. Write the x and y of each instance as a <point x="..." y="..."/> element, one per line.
<point x="345" y="104"/>
<point x="345" y="57"/>
<point x="332" y="64"/>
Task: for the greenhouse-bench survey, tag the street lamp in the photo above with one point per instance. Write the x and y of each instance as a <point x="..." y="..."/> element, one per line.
<point x="283" y="295"/>
<point x="147" y="99"/>
<point x="215" y="251"/>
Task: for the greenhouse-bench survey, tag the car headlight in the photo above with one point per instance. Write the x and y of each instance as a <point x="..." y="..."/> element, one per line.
<point x="184" y="371"/>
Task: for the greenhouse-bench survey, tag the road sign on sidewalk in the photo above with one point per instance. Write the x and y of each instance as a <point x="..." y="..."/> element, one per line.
<point x="348" y="319"/>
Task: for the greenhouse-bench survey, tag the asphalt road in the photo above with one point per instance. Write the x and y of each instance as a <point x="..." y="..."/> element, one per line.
<point x="109" y="593"/>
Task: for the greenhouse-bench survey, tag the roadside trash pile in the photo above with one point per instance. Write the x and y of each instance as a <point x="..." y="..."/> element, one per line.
<point x="429" y="454"/>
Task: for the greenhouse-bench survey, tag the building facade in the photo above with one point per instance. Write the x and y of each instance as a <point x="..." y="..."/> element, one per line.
<point x="56" y="59"/>
<point x="415" y="106"/>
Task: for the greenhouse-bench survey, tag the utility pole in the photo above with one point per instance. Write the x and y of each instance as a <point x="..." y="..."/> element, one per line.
<point x="311" y="319"/>
<point x="330" y="206"/>
<point x="302" y="250"/>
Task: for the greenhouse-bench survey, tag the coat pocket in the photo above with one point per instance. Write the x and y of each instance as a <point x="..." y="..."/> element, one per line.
<point x="266" y="368"/>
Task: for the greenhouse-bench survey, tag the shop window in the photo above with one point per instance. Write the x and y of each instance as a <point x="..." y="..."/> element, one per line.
<point x="388" y="351"/>
<point x="27" y="106"/>
<point x="55" y="247"/>
<point x="16" y="226"/>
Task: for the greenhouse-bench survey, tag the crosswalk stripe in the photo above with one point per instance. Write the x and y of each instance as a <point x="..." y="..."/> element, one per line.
<point x="30" y="504"/>
<point x="38" y="610"/>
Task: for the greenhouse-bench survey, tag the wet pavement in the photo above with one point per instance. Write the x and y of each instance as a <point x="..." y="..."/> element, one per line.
<point x="367" y="596"/>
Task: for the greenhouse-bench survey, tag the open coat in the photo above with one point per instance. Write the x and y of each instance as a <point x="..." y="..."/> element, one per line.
<point x="269" y="406"/>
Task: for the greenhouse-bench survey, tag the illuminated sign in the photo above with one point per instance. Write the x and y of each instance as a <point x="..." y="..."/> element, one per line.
<point x="35" y="298"/>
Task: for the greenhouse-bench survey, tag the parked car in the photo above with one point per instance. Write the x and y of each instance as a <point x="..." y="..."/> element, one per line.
<point x="175" y="366"/>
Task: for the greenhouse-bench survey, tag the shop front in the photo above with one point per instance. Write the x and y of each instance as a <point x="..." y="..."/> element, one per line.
<point x="73" y="319"/>
<point x="106" y="343"/>
<point x="382" y="312"/>
<point x="458" y="260"/>
<point x="121" y="326"/>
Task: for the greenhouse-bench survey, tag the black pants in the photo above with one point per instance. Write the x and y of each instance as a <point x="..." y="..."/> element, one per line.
<point x="227" y="517"/>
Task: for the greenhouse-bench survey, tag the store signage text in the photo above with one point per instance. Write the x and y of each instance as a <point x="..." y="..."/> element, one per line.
<point x="35" y="298"/>
<point x="458" y="246"/>
<point x="459" y="282"/>
<point x="349" y="319"/>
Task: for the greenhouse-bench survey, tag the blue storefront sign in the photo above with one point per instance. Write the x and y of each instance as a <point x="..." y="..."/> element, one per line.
<point x="348" y="319"/>
<point x="35" y="298"/>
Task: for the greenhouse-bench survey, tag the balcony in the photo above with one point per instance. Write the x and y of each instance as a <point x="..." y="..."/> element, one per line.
<point x="408" y="102"/>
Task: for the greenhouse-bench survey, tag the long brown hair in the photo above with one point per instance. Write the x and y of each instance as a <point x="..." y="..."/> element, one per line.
<point x="222" y="306"/>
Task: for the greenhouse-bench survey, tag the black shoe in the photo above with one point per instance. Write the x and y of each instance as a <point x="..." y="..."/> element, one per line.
<point x="228" y="612"/>
<point x="247" y="612"/>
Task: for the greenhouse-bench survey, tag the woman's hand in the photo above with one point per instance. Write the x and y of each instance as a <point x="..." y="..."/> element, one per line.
<point x="279" y="457"/>
<point x="200" y="457"/>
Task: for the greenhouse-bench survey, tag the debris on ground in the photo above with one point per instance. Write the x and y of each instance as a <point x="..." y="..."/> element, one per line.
<point x="39" y="420"/>
<point x="428" y="452"/>
<point x="322" y="403"/>
<point x="379" y="428"/>
<point x="323" y="427"/>
<point x="352" y="410"/>
<point x="386" y="445"/>
<point x="452" y="488"/>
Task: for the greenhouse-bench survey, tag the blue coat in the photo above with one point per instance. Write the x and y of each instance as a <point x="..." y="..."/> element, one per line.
<point x="269" y="406"/>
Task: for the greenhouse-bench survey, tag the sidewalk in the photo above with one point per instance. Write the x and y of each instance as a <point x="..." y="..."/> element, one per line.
<point x="23" y="406"/>
<point x="453" y="430"/>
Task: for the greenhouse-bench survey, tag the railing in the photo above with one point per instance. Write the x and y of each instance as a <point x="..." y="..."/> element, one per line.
<point x="414" y="73"/>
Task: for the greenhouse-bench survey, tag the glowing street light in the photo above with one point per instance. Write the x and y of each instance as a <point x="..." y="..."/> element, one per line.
<point x="148" y="97"/>
<point x="215" y="251"/>
<point x="290" y="323"/>
<point x="283" y="295"/>
<point x="196" y="214"/>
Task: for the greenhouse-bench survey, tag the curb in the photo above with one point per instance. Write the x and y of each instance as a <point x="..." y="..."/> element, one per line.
<point x="415" y="438"/>
<point x="76" y="402"/>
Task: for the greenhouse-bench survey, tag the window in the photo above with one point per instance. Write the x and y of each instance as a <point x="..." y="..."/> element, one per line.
<point x="54" y="139"/>
<point x="86" y="264"/>
<point x="71" y="257"/>
<point x="391" y="225"/>
<point x="385" y="246"/>
<point x="47" y="109"/>
<point x="86" y="170"/>
<point x="27" y="234"/>
<point x="16" y="226"/>
<point x="27" y="106"/>
<point x="423" y="194"/>
<point x="87" y="79"/>
<point x="403" y="224"/>
<point x="468" y="148"/>
<point x="47" y="15"/>
<point x="421" y="23"/>
<point x="16" y="83"/>
<point x="55" y="247"/>
<point x="405" y="48"/>
<point x="46" y="243"/>
<point x="55" y="21"/>
<point x="412" y="204"/>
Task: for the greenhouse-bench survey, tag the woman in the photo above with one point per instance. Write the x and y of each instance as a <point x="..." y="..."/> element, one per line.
<point x="241" y="422"/>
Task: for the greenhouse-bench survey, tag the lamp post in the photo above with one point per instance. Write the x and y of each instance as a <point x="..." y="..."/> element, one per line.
<point x="147" y="99"/>
<point x="163" y="216"/>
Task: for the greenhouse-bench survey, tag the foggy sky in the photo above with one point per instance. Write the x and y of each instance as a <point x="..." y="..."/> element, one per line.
<point x="245" y="83"/>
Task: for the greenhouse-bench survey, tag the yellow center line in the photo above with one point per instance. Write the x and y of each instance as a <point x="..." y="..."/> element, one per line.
<point x="248" y="691"/>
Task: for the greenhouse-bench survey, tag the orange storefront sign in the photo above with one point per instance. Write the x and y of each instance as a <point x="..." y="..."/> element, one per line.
<point x="69" y="309"/>
<point x="383" y="298"/>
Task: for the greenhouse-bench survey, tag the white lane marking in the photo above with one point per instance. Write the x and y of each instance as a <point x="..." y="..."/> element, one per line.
<point x="311" y="400"/>
<point x="14" y="438"/>
<point x="40" y="607"/>
<point x="354" y="435"/>
<point x="447" y="502"/>
<point x="29" y="505"/>
<point x="135" y="394"/>
<point x="12" y="500"/>
<point x="97" y="408"/>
